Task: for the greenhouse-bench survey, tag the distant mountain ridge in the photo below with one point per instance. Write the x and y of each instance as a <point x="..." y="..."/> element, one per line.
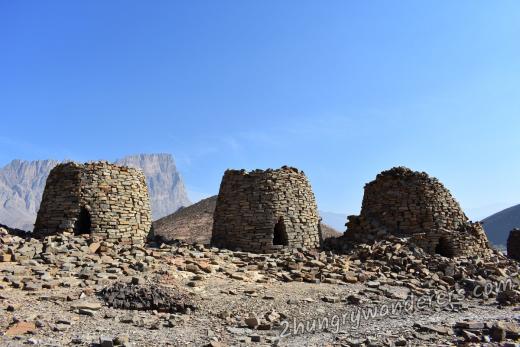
<point x="21" y="188"/>
<point x="498" y="225"/>
<point x="22" y="183"/>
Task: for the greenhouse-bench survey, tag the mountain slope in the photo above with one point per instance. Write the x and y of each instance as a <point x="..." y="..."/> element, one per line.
<point x="328" y="231"/>
<point x="22" y="184"/>
<point x="499" y="225"/>
<point x="194" y="223"/>
<point x="165" y="185"/>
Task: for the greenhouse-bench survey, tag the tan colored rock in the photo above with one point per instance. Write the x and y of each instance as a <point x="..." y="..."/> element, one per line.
<point x="21" y="329"/>
<point x="93" y="306"/>
<point x="94" y="247"/>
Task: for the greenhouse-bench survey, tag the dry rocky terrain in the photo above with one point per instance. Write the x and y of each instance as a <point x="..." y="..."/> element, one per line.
<point x="63" y="291"/>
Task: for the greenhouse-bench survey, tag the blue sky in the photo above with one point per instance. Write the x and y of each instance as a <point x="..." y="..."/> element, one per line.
<point x="339" y="89"/>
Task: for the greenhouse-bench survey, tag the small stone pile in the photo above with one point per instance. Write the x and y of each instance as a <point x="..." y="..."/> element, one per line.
<point x="396" y="261"/>
<point x="509" y="297"/>
<point x="106" y="201"/>
<point x="403" y="202"/>
<point x="473" y="332"/>
<point x="141" y="297"/>
<point x="513" y="244"/>
<point x="14" y="246"/>
<point x="487" y="332"/>
<point x="264" y="211"/>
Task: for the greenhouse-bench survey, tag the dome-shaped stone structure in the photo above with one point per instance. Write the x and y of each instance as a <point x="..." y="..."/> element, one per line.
<point x="106" y="201"/>
<point x="412" y="204"/>
<point x="262" y="211"/>
<point x="406" y="202"/>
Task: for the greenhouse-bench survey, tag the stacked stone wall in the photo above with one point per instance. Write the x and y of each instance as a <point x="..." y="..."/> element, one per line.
<point x="468" y="240"/>
<point x="252" y="205"/>
<point x="115" y="199"/>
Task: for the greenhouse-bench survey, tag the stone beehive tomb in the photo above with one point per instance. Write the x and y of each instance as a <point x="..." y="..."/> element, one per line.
<point x="513" y="244"/>
<point x="262" y="211"/>
<point x="105" y="201"/>
<point x="412" y="204"/>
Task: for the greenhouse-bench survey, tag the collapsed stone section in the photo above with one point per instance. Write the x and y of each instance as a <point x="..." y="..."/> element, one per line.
<point x="262" y="211"/>
<point x="412" y="204"/>
<point x="513" y="244"/>
<point x="106" y="201"/>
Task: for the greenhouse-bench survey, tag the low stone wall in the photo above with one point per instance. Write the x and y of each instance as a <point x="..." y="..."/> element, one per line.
<point x="108" y="202"/>
<point x="262" y="211"/>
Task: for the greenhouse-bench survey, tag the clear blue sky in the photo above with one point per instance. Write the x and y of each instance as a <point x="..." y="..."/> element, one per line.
<point x="340" y="89"/>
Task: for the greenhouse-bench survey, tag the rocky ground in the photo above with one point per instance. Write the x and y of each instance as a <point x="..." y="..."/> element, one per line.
<point x="65" y="290"/>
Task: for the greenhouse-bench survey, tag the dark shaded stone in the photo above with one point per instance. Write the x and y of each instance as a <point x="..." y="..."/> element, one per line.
<point x="135" y="297"/>
<point x="513" y="244"/>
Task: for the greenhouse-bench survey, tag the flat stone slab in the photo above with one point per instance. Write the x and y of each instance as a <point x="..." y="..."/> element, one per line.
<point x="92" y="306"/>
